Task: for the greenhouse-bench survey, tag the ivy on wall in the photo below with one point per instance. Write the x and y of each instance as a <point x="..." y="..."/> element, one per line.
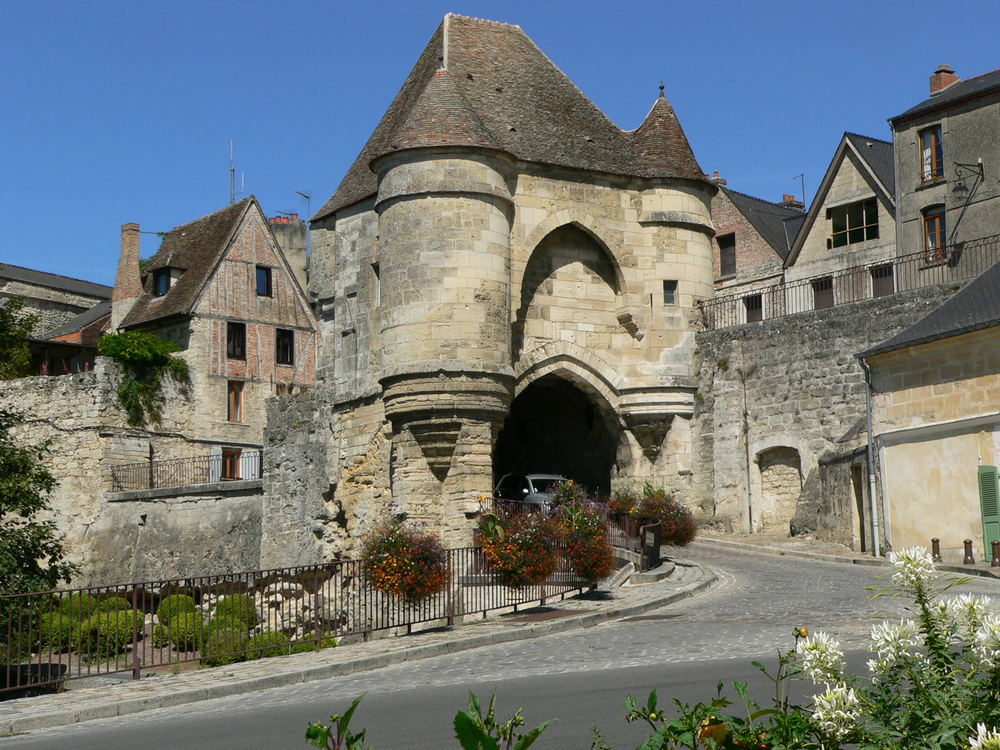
<point x="144" y="359"/>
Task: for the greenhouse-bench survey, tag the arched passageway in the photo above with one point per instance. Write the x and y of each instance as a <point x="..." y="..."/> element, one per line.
<point x="556" y="427"/>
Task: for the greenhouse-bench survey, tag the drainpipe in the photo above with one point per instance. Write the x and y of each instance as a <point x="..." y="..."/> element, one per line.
<point x="876" y="545"/>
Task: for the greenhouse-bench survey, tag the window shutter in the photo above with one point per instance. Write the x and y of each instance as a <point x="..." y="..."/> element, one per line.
<point x="989" y="503"/>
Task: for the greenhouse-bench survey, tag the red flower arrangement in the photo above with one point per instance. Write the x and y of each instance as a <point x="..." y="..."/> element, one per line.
<point x="585" y="528"/>
<point x="404" y="562"/>
<point x="523" y="549"/>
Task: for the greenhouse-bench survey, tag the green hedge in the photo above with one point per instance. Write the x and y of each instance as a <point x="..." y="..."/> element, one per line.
<point x="55" y="631"/>
<point x="186" y="630"/>
<point x="108" y="633"/>
<point x="225" y="646"/>
<point x="78" y="606"/>
<point x="239" y="607"/>
<point x="173" y="605"/>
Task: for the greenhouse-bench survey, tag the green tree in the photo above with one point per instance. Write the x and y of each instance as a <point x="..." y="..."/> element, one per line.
<point x="16" y="324"/>
<point x="31" y="549"/>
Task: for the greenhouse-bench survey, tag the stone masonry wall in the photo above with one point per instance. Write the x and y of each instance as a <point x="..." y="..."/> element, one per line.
<point x="791" y="382"/>
<point x="180" y="534"/>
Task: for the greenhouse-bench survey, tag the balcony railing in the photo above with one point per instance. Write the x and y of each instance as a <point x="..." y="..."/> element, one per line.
<point x="229" y="465"/>
<point x="957" y="262"/>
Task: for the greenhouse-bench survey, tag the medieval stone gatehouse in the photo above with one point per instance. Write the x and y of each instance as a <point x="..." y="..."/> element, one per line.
<point x="504" y="279"/>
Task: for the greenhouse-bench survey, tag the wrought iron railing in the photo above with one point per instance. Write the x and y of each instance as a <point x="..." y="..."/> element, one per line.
<point x="47" y="638"/>
<point x="228" y="465"/>
<point x="951" y="263"/>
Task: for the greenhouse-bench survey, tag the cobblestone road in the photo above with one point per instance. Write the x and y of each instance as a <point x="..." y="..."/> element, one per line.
<point x="750" y="613"/>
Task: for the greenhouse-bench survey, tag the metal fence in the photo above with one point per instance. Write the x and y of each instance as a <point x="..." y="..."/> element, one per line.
<point x="952" y="263"/>
<point x="228" y="465"/>
<point x="47" y="638"/>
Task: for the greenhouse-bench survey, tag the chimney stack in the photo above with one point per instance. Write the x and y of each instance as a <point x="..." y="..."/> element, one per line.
<point x="721" y="181"/>
<point x="128" y="285"/>
<point x="943" y="77"/>
<point x="790" y="201"/>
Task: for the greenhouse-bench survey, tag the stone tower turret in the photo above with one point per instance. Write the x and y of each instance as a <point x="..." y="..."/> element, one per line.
<point x="443" y="264"/>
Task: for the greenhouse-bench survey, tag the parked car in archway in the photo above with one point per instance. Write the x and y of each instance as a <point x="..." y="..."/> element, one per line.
<point x="530" y="489"/>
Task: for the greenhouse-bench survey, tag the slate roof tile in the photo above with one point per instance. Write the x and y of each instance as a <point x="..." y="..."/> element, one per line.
<point x="55" y="281"/>
<point x="767" y="218"/>
<point x="963" y="89"/>
<point x="503" y="92"/>
<point x="195" y="248"/>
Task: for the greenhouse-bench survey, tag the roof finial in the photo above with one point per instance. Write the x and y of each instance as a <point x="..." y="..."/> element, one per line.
<point x="661" y="88"/>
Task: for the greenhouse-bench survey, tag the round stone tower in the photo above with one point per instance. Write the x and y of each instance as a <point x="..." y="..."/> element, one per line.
<point x="443" y="312"/>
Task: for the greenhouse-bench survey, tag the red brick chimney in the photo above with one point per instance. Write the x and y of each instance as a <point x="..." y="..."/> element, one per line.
<point x="790" y="201"/>
<point x="943" y="77"/>
<point x="128" y="285"/>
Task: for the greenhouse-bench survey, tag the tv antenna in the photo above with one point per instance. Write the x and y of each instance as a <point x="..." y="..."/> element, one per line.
<point x="232" y="177"/>
<point x="802" y="179"/>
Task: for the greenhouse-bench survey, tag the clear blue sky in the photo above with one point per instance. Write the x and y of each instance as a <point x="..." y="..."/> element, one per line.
<point x="123" y="111"/>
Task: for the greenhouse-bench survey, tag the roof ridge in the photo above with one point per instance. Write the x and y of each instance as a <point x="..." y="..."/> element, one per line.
<point x="981" y="75"/>
<point x="868" y="137"/>
<point x="762" y="200"/>
<point x="486" y="21"/>
<point x="50" y="273"/>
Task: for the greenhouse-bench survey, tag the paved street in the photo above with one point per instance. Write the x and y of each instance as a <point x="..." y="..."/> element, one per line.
<point x="750" y="614"/>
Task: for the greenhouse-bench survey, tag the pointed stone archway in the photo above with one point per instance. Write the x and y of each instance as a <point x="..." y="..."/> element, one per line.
<point x="556" y="426"/>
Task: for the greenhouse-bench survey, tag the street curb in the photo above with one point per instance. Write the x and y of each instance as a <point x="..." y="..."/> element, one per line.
<point x="239" y="686"/>
<point x="842" y="559"/>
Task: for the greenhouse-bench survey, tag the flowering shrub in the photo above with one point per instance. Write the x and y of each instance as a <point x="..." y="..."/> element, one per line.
<point x="654" y="504"/>
<point x="403" y="562"/>
<point x="934" y="683"/>
<point x="521" y="549"/>
<point x="584" y="527"/>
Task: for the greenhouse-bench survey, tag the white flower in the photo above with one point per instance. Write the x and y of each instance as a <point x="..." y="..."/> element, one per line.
<point x="985" y="740"/>
<point x="892" y="644"/>
<point x="912" y="568"/>
<point x="822" y="659"/>
<point x="986" y="642"/>
<point x="836" y="711"/>
<point x="968" y="612"/>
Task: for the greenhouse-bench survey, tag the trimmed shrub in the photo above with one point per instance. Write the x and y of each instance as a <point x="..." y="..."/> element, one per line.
<point x="186" y="630"/>
<point x="225" y="646"/>
<point x="107" y="634"/>
<point x="113" y="604"/>
<point x="404" y="562"/>
<point x="161" y="636"/>
<point x="227" y="621"/>
<point x="78" y="606"/>
<point x="173" y="605"/>
<point x="268" y="643"/>
<point x="238" y="607"/>
<point x="55" y="631"/>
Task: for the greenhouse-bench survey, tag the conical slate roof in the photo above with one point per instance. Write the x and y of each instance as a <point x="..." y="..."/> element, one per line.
<point x="661" y="146"/>
<point x="500" y="91"/>
<point x="440" y="117"/>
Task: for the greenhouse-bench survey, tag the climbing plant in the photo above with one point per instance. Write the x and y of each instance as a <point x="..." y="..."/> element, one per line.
<point x="144" y="359"/>
<point x="16" y="324"/>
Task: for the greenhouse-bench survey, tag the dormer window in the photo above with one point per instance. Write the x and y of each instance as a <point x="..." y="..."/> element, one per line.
<point x="161" y="281"/>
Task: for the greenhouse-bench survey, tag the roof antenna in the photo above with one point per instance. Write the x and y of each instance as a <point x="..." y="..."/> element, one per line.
<point x="802" y="178"/>
<point x="232" y="174"/>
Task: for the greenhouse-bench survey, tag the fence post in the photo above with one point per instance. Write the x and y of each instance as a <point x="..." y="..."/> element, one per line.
<point x="151" y="483"/>
<point x="136" y="660"/>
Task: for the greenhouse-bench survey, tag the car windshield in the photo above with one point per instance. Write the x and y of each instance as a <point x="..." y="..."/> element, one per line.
<point x="546" y="484"/>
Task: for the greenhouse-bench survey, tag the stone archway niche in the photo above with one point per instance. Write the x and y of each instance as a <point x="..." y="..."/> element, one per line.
<point x="557" y="427"/>
<point x="780" y="487"/>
